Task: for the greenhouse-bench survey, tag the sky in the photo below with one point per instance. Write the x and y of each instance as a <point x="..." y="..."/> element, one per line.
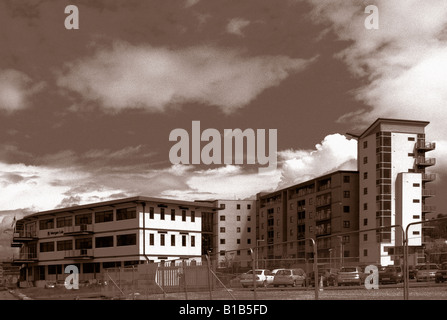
<point x="86" y="114"/>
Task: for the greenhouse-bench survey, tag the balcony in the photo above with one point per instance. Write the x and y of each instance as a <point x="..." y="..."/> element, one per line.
<point x="24" y="236"/>
<point x="83" y="229"/>
<point x="427" y="177"/>
<point x="425" y="146"/>
<point x="426" y="209"/>
<point x="25" y="258"/>
<point x="79" y="254"/>
<point x="428" y="193"/>
<point x="425" y="162"/>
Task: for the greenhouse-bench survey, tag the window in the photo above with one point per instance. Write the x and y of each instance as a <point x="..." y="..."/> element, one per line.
<point x="365" y="190"/>
<point x="172" y="240"/>
<point x="365" y="206"/>
<point x="248" y="229"/>
<point x="46" y="224"/>
<point x="83" y="243"/>
<point x="64" y="222"/>
<point x="222" y="218"/>
<point x="365" y="222"/>
<point x="365" y="144"/>
<point x="222" y="241"/>
<point x="346" y="179"/>
<point x="104" y="242"/>
<point x="172" y="214"/>
<point x="248" y="218"/>
<point x="238" y="218"/>
<point x="365" y="175"/>
<point x="64" y="245"/>
<point x="151" y="213"/>
<point x="151" y="239"/>
<point x="183" y="215"/>
<point x="193" y="241"/>
<point x="238" y="241"/>
<point x="365" y="160"/>
<point x="183" y="240"/>
<point x="238" y="206"/>
<point x="104" y="216"/>
<point x="248" y="206"/>
<point x="346" y="209"/>
<point x="222" y="206"/>
<point x="238" y="229"/>
<point x="416" y="201"/>
<point x="346" y="239"/>
<point x="126" y="213"/>
<point x="346" y="194"/>
<point x="346" y="224"/>
<point x="248" y="241"/>
<point x="410" y="138"/>
<point x="416" y="216"/>
<point x="82" y="219"/>
<point x="365" y="252"/>
<point x="411" y="154"/>
<point x="365" y="237"/>
<point x="162" y="239"/>
<point x="222" y="229"/>
<point x="126" y="239"/>
<point x="193" y="216"/>
<point x="162" y="213"/>
<point x="416" y="185"/>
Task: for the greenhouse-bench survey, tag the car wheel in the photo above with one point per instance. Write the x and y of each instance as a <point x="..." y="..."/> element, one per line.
<point x="294" y="283"/>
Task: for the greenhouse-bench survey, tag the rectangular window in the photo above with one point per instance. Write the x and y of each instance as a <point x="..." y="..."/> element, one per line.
<point x="64" y="245"/>
<point x="46" y="224"/>
<point x="193" y="241"/>
<point x="126" y="213"/>
<point x="365" y="190"/>
<point x="365" y="206"/>
<point x="365" y="237"/>
<point x="365" y="144"/>
<point x="346" y="194"/>
<point x="248" y="229"/>
<point x="172" y="240"/>
<point x="151" y="213"/>
<point x="248" y="206"/>
<point x="83" y="243"/>
<point x="222" y="229"/>
<point x="416" y="216"/>
<point x="411" y="139"/>
<point x="183" y="215"/>
<point x="416" y="185"/>
<point x="346" y="209"/>
<point x="172" y="214"/>
<point x="104" y="216"/>
<point x="183" y="240"/>
<point x="346" y="179"/>
<point x="365" y="222"/>
<point x="126" y="239"/>
<point x="222" y="218"/>
<point x="238" y="218"/>
<point x="365" y="252"/>
<point x="193" y="216"/>
<point x="365" y="175"/>
<point x="365" y="160"/>
<point x="83" y="219"/>
<point x="64" y="222"/>
<point x="162" y="239"/>
<point x="151" y="239"/>
<point x="238" y="206"/>
<point x="222" y="241"/>
<point x="346" y="224"/>
<point x="416" y="200"/>
<point x="238" y="229"/>
<point x="104" y="242"/>
<point x="162" y="213"/>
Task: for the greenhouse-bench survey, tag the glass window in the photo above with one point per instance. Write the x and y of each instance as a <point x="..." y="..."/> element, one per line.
<point x="126" y="240"/>
<point x="126" y="213"/>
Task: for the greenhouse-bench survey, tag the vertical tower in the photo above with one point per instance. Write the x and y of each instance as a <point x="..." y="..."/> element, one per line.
<point x="392" y="186"/>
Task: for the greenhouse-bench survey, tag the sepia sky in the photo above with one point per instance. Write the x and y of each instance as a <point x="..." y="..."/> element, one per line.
<point x="85" y="115"/>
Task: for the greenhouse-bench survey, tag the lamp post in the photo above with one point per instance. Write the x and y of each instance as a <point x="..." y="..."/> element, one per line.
<point x="257" y="250"/>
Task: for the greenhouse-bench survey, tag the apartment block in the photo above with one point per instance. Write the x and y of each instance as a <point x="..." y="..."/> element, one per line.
<point x="317" y="209"/>
<point x="394" y="186"/>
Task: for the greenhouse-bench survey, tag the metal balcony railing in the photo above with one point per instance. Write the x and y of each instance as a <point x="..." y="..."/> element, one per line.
<point x="24" y="257"/>
<point x="428" y="193"/>
<point x="422" y="161"/>
<point x="426" y="146"/>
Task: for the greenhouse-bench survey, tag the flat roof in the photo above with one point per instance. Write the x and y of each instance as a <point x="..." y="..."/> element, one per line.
<point x="396" y="121"/>
<point x="136" y="199"/>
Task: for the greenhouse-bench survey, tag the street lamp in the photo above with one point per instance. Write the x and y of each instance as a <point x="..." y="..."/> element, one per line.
<point x="257" y="250"/>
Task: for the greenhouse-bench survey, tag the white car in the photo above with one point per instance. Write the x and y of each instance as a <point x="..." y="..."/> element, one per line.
<point x="263" y="277"/>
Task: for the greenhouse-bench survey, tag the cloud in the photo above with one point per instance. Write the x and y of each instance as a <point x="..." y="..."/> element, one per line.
<point x="236" y="25"/>
<point x="145" y="77"/>
<point x="335" y="152"/>
<point x="16" y="88"/>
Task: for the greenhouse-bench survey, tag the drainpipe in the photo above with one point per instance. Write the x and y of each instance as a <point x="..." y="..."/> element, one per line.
<point x="144" y="231"/>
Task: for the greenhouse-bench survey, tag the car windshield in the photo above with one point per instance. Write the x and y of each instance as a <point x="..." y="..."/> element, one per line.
<point x="256" y="272"/>
<point x="284" y="272"/>
<point x="348" y="269"/>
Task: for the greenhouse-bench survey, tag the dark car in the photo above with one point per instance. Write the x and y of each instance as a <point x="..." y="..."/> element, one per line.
<point x="412" y="270"/>
<point x="441" y="274"/>
<point x="329" y="277"/>
<point x="391" y="274"/>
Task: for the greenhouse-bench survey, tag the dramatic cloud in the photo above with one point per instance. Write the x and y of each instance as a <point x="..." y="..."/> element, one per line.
<point x="16" y="88"/>
<point x="402" y="65"/>
<point x="127" y="76"/>
<point x="335" y="152"/>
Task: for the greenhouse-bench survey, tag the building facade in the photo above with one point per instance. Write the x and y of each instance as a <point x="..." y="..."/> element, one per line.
<point x="112" y="234"/>
<point x="317" y="209"/>
<point x="393" y="187"/>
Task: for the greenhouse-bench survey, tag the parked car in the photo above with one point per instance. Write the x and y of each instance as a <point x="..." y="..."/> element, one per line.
<point x="350" y="275"/>
<point x="441" y="274"/>
<point x="290" y="277"/>
<point x="427" y="272"/>
<point x="329" y="277"/>
<point x="263" y="277"/>
<point x="412" y="270"/>
<point x="391" y="274"/>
